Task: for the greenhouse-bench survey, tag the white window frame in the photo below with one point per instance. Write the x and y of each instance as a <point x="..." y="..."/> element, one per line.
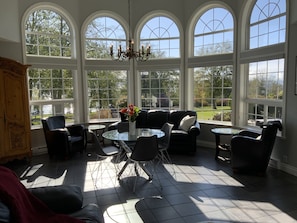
<point x="209" y="60"/>
<point x="102" y="64"/>
<point x="53" y="62"/>
<point x="275" y="51"/>
<point x="160" y="64"/>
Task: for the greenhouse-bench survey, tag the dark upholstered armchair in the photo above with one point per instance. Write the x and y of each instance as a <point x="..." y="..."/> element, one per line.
<point x="251" y="151"/>
<point x="61" y="203"/>
<point x="62" y="141"/>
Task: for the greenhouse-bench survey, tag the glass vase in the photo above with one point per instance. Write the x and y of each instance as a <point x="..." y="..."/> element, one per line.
<point x="132" y="128"/>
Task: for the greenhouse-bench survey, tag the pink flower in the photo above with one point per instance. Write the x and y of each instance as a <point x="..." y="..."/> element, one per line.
<point x="131" y="112"/>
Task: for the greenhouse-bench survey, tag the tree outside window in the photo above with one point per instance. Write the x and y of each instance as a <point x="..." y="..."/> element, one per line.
<point x="47" y="34"/>
<point x="213" y="93"/>
<point x="160" y="89"/>
<point x="107" y="94"/>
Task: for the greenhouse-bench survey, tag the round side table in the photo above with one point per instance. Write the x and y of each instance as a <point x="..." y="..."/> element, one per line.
<point x="223" y="131"/>
<point x="98" y="129"/>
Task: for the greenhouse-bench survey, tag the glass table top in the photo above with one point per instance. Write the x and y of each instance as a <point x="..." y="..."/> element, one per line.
<point x="125" y="136"/>
<point x="96" y="127"/>
<point x="226" y="131"/>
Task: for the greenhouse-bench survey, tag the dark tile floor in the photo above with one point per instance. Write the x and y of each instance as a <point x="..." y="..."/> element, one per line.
<point x="196" y="188"/>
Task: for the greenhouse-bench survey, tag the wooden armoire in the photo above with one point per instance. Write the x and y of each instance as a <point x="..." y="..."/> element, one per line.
<point x="15" y="137"/>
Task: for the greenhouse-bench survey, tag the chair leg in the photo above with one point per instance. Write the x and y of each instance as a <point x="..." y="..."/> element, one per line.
<point x="164" y="157"/>
<point x="96" y="169"/>
<point x="101" y="167"/>
<point x="141" y="165"/>
<point x="149" y="174"/>
<point x="137" y="174"/>
<point x="123" y="168"/>
<point x="157" y="175"/>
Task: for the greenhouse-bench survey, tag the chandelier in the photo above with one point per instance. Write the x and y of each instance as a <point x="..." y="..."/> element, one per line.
<point x="130" y="53"/>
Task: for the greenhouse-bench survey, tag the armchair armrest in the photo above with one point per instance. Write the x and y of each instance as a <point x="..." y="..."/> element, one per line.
<point x="76" y="130"/>
<point x="249" y="134"/>
<point x="247" y="148"/>
<point x="240" y="143"/>
<point x="59" y="134"/>
<point x="61" y="199"/>
<point x="195" y="129"/>
<point x="249" y="154"/>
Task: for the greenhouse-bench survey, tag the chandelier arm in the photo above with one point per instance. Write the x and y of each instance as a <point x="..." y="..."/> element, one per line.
<point x="130" y="53"/>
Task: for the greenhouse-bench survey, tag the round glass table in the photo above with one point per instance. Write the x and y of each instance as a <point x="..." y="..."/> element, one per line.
<point x="114" y="135"/>
<point x="127" y="140"/>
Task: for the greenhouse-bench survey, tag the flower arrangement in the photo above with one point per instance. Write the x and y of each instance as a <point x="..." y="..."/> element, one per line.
<point x="131" y="112"/>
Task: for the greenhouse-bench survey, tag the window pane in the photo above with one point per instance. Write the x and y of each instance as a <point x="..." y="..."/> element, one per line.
<point x="160" y="89"/>
<point x="50" y="85"/>
<point x="261" y="113"/>
<point x="102" y="34"/>
<point x="213" y="93"/>
<point x="107" y="94"/>
<point x="162" y="34"/>
<point x="266" y="79"/>
<point x="213" y="33"/>
<point x="267" y="23"/>
<point x="47" y="34"/>
<point x="44" y="110"/>
<point x="44" y="86"/>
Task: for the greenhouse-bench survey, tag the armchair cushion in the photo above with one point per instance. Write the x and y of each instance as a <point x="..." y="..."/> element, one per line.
<point x="187" y="122"/>
<point x="53" y="204"/>
<point x="56" y="122"/>
<point x="89" y="214"/>
<point x="76" y="130"/>
<point x="24" y="207"/>
<point x="156" y="118"/>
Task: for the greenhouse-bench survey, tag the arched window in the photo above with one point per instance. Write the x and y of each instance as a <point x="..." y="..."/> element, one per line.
<point x="101" y="34"/>
<point x="160" y="86"/>
<point x="266" y="70"/>
<point x="107" y="84"/>
<point x="268" y="23"/>
<point x="162" y="34"/>
<point x="48" y="34"/>
<point x="213" y="33"/>
<point x="213" y="76"/>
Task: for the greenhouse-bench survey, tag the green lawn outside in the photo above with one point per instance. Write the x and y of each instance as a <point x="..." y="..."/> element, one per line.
<point x="207" y="113"/>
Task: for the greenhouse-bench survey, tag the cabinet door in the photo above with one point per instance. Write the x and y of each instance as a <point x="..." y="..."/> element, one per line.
<point x="2" y="118"/>
<point x="16" y="121"/>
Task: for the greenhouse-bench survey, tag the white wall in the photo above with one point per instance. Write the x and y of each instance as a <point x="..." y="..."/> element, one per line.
<point x="9" y="15"/>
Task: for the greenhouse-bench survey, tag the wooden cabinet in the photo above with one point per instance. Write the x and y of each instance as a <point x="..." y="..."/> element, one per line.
<point x="15" y="138"/>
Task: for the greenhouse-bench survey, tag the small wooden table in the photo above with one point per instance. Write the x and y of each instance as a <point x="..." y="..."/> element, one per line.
<point x="223" y="131"/>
